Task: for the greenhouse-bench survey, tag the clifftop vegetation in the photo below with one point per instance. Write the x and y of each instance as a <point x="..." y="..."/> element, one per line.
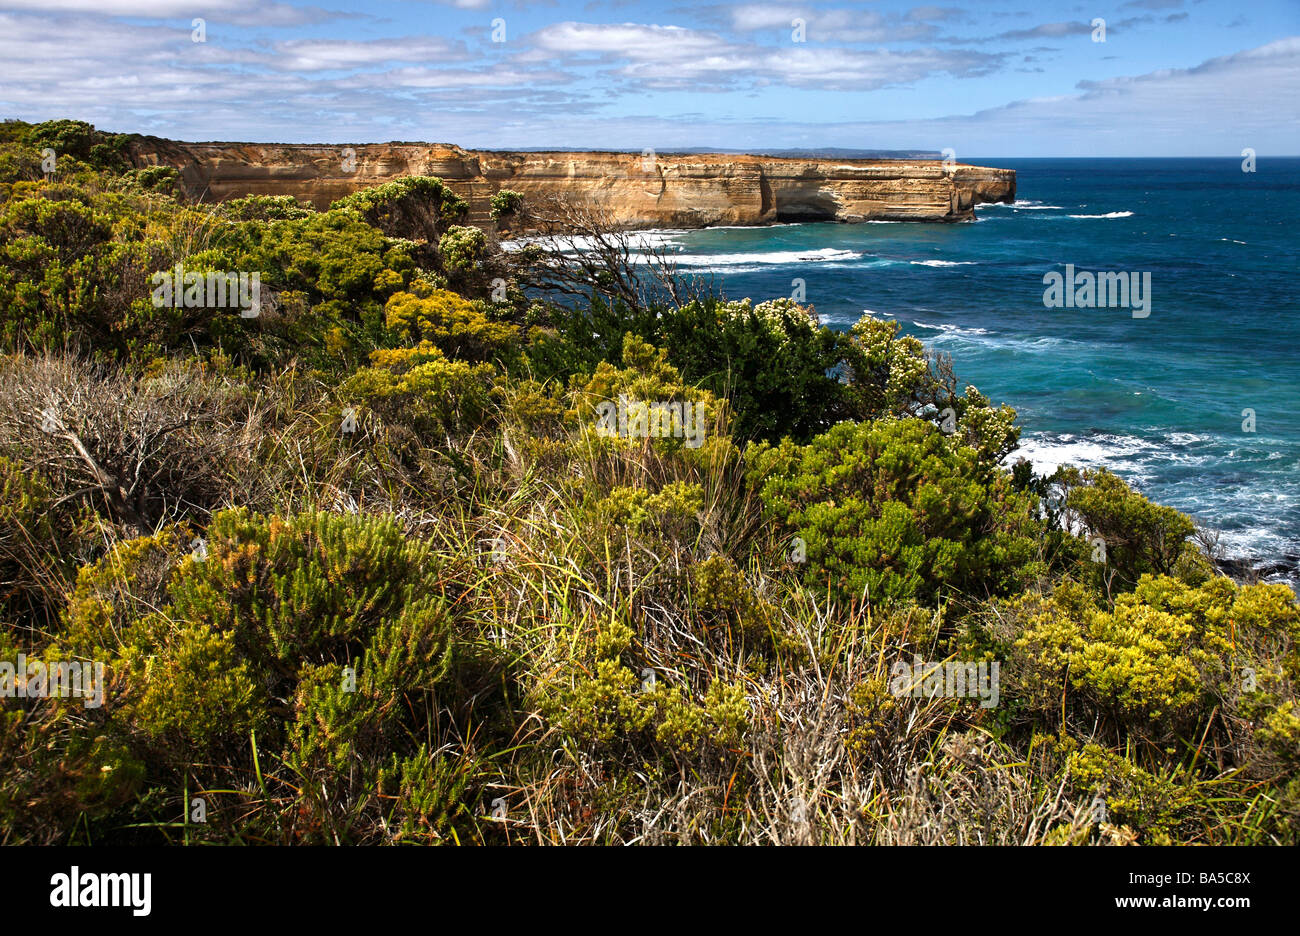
<point x="410" y="550"/>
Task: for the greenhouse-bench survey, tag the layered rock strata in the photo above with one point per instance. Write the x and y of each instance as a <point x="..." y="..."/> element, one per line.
<point x="664" y="191"/>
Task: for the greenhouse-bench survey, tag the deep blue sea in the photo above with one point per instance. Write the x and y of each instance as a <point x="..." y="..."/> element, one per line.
<point x="1159" y="400"/>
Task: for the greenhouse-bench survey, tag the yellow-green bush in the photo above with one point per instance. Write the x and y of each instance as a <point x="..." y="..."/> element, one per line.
<point x="328" y="638"/>
<point x="451" y="323"/>
<point x="1156" y="663"/>
<point x="421" y="389"/>
<point x="1161" y="807"/>
<point x="602" y="702"/>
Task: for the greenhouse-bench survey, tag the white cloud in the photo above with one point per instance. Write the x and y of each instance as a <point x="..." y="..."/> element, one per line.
<point x="673" y="56"/>
<point x="326" y="54"/>
<point x="1250" y="98"/>
<point x="635" y="41"/>
<point x="500" y="77"/>
<point x="838" y="25"/>
<point x="242" y="12"/>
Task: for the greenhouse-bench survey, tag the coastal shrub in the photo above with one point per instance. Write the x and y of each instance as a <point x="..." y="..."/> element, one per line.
<point x="461" y="249"/>
<point x="19" y="166"/>
<point x="1139" y="537"/>
<point x="1157" y="663"/>
<point x="155" y="180"/>
<point x="431" y="796"/>
<point x="575" y="339"/>
<point x="673" y="643"/>
<point x="329" y="256"/>
<point x="133" y="448"/>
<point x="416" y="207"/>
<point x="504" y="204"/>
<point x="350" y="575"/>
<point x="265" y="208"/>
<point x="1154" y="808"/>
<point x="646" y="376"/>
<point x="727" y="606"/>
<point x="39" y="537"/>
<point x="60" y="774"/>
<point x="898" y="510"/>
<point x="422" y="390"/>
<point x="68" y="767"/>
<point x="889" y="374"/>
<point x="83" y="158"/>
<point x="666" y="521"/>
<point x="634" y="507"/>
<point x="329" y="638"/>
<point x="78" y="273"/>
<point x="81" y="141"/>
<point x="872" y="712"/>
<point x="602" y="703"/>
<point x="322" y="274"/>
<point x="65" y="281"/>
<point x="451" y="323"/>
<point x="772" y="362"/>
<point x="782" y="372"/>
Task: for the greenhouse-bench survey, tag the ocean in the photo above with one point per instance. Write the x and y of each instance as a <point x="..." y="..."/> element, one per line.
<point x="1196" y="405"/>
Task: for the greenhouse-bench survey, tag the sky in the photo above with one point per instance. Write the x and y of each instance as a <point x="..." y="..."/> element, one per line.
<point x="1019" y="78"/>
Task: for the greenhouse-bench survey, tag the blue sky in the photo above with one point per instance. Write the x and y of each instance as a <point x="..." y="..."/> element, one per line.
<point x="1172" y="78"/>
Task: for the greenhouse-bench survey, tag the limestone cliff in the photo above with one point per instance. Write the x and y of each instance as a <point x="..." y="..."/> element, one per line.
<point x="669" y="191"/>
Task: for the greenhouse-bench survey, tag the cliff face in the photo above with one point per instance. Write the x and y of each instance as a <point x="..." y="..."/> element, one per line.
<point x="669" y="191"/>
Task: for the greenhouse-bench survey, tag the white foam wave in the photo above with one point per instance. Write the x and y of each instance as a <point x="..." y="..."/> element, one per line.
<point x="1048" y="452"/>
<point x="768" y="258"/>
<point x="943" y="263"/>
<point x="638" y="240"/>
<point x="948" y="329"/>
<point x="1109" y="214"/>
<point x="1023" y="204"/>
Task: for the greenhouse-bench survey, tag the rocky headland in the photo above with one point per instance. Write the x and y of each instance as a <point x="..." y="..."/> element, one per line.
<point x="635" y="191"/>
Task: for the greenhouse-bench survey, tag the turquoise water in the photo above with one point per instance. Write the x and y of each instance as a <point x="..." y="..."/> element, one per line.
<point x="1160" y="399"/>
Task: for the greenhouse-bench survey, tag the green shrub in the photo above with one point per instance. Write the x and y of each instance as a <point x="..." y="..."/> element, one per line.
<point x="418" y="207"/>
<point x="80" y="140"/>
<point x="1139" y="537"/>
<point x="461" y="249"/>
<point x="772" y="362"/>
<point x="420" y="389"/>
<point x="505" y="203"/>
<point x="603" y="704"/>
<point x="897" y="510"/>
<point x="329" y="638"/>
<point x="1160" y="807"/>
<point x="158" y="180"/>
<point x="28" y="549"/>
<point x="265" y="208"/>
